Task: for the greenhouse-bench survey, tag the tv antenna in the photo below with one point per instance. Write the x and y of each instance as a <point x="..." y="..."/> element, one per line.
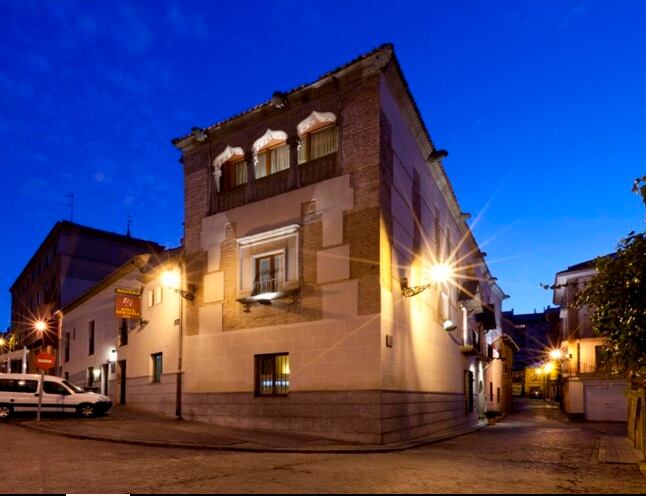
<point x="70" y="203"/>
<point x="129" y="223"/>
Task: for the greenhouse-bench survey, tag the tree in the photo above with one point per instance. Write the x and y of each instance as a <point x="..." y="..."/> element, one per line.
<point x="616" y="297"/>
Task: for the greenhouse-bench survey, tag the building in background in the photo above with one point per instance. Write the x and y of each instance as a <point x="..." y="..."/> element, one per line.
<point x="535" y="334"/>
<point x="133" y="360"/>
<point x="590" y="391"/>
<point x="314" y="225"/>
<point x="70" y="260"/>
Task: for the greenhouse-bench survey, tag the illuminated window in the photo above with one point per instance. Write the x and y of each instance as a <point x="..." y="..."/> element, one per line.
<point x="272" y="374"/>
<point x="268" y="273"/>
<point x="272" y="160"/>
<point x="318" y="143"/>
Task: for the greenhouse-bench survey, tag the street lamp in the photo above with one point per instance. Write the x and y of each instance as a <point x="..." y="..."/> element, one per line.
<point x="172" y="279"/>
<point x="556" y="354"/>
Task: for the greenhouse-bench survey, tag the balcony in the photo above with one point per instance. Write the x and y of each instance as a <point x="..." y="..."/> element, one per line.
<point x="310" y="172"/>
<point x="471" y="346"/>
<point x="266" y="286"/>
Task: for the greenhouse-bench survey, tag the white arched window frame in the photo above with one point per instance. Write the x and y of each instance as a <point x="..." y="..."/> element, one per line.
<point x="318" y="135"/>
<point x="229" y="153"/>
<point x="271" y="153"/>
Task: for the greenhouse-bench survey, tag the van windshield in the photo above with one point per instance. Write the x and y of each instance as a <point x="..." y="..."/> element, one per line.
<point x="73" y="387"/>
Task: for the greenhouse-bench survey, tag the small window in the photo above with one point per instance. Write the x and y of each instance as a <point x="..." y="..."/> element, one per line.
<point x="272" y="160"/>
<point x="272" y="374"/>
<point x="269" y="273"/>
<point x="497" y="395"/>
<point x="158" y="295"/>
<point x="90" y="338"/>
<point x="234" y="173"/>
<point x="491" y="391"/>
<point x="444" y="302"/>
<point x="318" y="144"/>
<point x="157" y="367"/>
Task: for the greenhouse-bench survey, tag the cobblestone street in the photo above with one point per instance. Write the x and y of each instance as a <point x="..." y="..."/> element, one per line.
<point x="533" y="450"/>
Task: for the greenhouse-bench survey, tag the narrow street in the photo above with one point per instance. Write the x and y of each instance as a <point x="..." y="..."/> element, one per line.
<point x="534" y="450"/>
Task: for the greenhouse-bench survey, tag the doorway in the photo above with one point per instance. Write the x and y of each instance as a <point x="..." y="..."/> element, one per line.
<point x="121" y="382"/>
<point x="105" y="370"/>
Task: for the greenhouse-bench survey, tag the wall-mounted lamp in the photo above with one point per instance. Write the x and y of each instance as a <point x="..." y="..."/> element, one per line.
<point x="449" y="326"/>
<point x="439" y="273"/>
<point x="172" y="280"/>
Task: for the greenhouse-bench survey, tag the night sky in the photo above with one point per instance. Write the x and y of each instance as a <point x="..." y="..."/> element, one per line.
<point x="541" y="105"/>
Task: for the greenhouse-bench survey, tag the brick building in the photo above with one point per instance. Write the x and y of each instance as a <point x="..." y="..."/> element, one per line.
<point x="71" y="259"/>
<point x="311" y="222"/>
<point x="590" y="390"/>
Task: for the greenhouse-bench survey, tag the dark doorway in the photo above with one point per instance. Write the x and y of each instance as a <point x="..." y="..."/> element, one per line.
<point x="105" y="370"/>
<point x="121" y="381"/>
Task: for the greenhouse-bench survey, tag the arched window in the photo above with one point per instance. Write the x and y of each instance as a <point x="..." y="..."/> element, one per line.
<point x="319" y="136"/>
<point x="272" y="153"/>
<point x="230" y="169"/>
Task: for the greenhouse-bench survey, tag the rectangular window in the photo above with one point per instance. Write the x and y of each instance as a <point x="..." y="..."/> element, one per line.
<point x="157" y="367"/>
<point x="67" y="347"/>
<point x="599" y="359"/>
<point x="497" y="395"/>
<point x="90" y="338"/>
<point x="233" y="174"/>
<point x="318" y="144"/>
<point x="269" y="273"/>
<point x="151" y="298"/>
<point x="272" y="160"/>
<point x="491" y="391"/>
<point x="272" y="374"/>
<point x="444" y="306"/>
<point x="123" y="332"/>
<point x="158" y="295"/>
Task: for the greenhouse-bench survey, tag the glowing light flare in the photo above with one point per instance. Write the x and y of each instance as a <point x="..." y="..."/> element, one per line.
<point x="40" y="326"/>
<point x="556" y="354"/>
<point x="440" y="272"/>
<point x="171" y="278"/>
<point x="2" y="342"/>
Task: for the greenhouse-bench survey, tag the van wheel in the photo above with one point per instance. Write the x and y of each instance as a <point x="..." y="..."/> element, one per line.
<point x="86" y="410"/>
<point x="5" y="412"/>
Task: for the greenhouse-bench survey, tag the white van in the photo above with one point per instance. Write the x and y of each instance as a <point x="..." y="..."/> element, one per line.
<point x="19" y="393"/>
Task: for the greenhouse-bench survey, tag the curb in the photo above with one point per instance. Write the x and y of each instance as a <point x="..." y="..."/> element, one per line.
<point x="323" y="450"/>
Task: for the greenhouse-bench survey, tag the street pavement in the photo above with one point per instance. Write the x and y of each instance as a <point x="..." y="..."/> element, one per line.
<point x="535" y="450"/>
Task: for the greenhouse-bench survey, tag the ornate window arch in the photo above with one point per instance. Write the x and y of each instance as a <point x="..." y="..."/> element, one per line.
<point x="230" y="164"/>
<point x="271" y="153"/>
<point x="319" y="136"/>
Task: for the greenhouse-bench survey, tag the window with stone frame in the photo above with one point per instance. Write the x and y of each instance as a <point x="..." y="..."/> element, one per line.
<point x="318" y="143"/>
<point x="234" y="174"/>
<point x="269" y="261"/>
<point x="271" y="160"/>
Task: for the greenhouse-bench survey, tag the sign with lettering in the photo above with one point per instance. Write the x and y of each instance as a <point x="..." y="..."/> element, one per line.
<point x="127" y="303"/>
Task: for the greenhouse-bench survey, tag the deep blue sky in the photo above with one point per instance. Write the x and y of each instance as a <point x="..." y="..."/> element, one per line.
<point x="542" y="106"/>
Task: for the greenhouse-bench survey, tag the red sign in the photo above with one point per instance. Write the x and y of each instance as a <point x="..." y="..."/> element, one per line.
<point x="127" y="303"/>
<point x="45" y="361"/>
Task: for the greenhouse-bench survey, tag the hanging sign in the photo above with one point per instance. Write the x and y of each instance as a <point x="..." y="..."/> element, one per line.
<point x="127" y="303"/>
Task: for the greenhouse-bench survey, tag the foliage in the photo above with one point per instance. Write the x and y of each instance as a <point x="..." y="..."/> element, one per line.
<point x="639" y="187"/>
<point x="616" y="296"/>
